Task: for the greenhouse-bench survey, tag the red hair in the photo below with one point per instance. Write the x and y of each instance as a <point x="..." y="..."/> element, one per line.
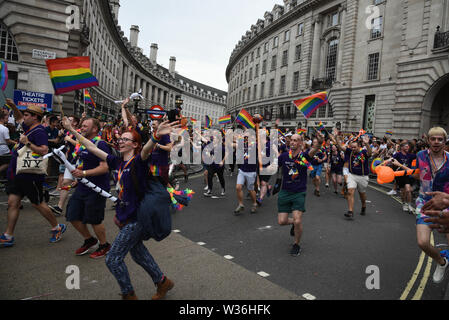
<point x="137" y="139"/>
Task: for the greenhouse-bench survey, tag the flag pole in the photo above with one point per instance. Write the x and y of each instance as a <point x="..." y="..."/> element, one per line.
<point x="60" y="106"/>
<point x="84" y="100"/>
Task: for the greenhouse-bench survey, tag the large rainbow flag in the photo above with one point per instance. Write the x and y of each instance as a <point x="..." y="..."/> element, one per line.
<point x="3" y="75"/>
<point x="70" y="74"/>
<point x="310" y="104"/>
<point x="88" y="99"/>
<point x="245" y="119"/>
<point x="225" y="120"/>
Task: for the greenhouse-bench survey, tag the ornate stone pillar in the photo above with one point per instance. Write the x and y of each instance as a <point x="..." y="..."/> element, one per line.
<point x="316" y="50"/>
<point x="341" y="41"/>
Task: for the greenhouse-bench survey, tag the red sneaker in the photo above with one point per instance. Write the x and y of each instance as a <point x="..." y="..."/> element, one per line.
<point x="101" y="252"/>
<point x="89" y="243"/>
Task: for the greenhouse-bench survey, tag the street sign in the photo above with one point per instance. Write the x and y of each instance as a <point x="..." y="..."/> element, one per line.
<point x="43" y="55"/>
<point x="156" y="112"/>
<point x="23" y="99"/>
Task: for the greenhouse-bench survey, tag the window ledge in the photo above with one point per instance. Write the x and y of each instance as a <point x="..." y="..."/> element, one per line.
<point x="374" y="39"/>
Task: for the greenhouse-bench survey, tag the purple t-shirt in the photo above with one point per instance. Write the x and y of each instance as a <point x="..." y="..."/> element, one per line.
<point x="88" y="161"/>
<point x="337" y="162"/>
<point x="38" y="137"/>
<point x="358" y="162"/>
<point x="160" y="157"/>
<point x="405" y="159"/>
<point x="319" y="156"/>
<point x="130" y="200"/>
<point x="294" y="175"/>
<point x="249" y="164"/>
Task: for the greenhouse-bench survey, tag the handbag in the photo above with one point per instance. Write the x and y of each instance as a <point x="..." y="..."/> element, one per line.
<point x="29" y="162"/>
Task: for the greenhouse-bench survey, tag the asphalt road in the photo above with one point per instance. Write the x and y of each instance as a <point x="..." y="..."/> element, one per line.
<point x="336" y="252"/>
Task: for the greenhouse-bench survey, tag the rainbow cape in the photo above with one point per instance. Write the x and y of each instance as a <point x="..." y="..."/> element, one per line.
<point x="309" y="105"/>
<point x="245" y="119"/>
<point x="3" y="75"/>
<point x="70" y="74"/>
<point x="88" y="99"/>
<point x="225" y="120"/>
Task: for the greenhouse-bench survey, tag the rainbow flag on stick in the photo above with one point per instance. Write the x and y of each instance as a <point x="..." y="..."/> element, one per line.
<point x="245" y="119"/>
<point x="3" y="75"/>
<point x="282" y="134"/>
<point x="301" y="131"/>
<point x="70" y="74"/>
<point x="321" y="126"/>
<point x="389" y="133"/>
<point x="225" y="120"/>
<point x="194" y="121"/>
<point x="309" y="105"/>
<point x="208" y="123"/>
<point x="88" y="99"/>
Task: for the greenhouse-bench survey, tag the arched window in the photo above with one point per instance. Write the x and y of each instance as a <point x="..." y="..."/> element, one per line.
<point x="8" y="48"/>
<point x="331" y="62"/>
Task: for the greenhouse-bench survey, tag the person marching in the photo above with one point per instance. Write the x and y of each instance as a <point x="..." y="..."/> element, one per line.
<point x="405" y="183"/>
<point x="336" y="162"/>
<point x="130" y="237"/>
<point x="317" y="162"/>
<point x="27" y="184"/>
<point x="86" y="206"/>
<point x="294" y="165"/>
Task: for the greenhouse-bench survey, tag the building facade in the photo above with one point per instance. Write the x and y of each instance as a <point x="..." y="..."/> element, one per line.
<point x="384" y="63"/>
<point x="90" y="28"/>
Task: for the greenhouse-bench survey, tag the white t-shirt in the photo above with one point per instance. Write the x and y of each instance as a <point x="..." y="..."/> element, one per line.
<point x="4" y="135"/>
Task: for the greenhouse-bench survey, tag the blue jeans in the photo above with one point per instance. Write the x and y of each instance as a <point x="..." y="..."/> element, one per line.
<point x="130" y="240"/>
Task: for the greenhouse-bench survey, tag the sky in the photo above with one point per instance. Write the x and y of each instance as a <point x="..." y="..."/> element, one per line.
<point x="201" y="34"/>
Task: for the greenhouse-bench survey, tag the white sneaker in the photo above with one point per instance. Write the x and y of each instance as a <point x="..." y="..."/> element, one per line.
<point x="410" y="208"/>
<point x="223" y="193"/>
<point x="392" y="193"/>
<point x="405" y="207"/>
<point x="440" y="271"/>
<point x="206" y="188"/>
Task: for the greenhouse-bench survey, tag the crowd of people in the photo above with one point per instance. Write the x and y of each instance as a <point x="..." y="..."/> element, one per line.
<point x="102" y="152"/>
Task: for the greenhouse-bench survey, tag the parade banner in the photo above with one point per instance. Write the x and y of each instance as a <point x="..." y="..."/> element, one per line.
<point x="23" y="99"/>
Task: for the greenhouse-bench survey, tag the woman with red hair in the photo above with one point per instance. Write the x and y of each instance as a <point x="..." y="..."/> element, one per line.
<point x="132" y="163"/>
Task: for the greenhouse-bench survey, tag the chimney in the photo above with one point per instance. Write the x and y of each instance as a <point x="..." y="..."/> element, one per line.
<point x="115" y="4"/>
<point x="172" y="65"/>
<point x="153" y="53"/>
<point x="134" y="35"/>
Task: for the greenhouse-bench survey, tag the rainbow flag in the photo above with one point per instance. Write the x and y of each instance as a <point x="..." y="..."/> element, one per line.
<point x="389" y="133"/>
<point x="225" y="120"/>
<point x="3" y="75"/>
<point x="282" y="134"/>
<point x="245" y="119"/>
<point x="310" y="104"/>
<point x="88" y="99"/>
<point x="208" y="124"/>
<point x="70" y="74"/>
<point x="321" y="126"/>
<point x="194" y="121"/>
<point x="301" y="131"/>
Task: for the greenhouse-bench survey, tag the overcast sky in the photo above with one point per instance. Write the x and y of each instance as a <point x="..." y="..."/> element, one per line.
<point x="201" y="34"/>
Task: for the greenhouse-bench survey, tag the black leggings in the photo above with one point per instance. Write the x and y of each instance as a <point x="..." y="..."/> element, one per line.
<point x="211" y="172"/>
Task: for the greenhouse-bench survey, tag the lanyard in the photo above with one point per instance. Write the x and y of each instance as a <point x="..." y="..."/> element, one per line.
<point x="120" y="174"/>
<point x="433" y="165"/>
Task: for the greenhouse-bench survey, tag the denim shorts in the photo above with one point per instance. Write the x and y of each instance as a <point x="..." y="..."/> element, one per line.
<point x="317" y="170"/>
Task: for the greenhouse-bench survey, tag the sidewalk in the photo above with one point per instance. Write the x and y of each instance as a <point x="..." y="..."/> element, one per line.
<point x="33" y="268"/>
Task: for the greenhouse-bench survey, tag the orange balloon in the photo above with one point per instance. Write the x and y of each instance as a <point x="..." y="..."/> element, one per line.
<point x="384" y="175"/>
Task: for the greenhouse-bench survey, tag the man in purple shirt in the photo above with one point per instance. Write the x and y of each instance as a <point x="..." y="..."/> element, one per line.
<point x="294" y="164"/>
<point x="26" y="184"/>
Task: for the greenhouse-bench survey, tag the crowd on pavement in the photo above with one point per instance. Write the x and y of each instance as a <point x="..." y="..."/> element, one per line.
<point x="128" y="149"/>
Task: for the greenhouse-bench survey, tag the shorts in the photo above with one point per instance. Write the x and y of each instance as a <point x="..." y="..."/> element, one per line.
<point x="88" y="208"/>
<point x="5" y="159"/>
<point x="326" y="165"/>
<point x="337" y="171"/>
<point x="248" y="177"/>
<point x="33" y="190"/>
<point x="402" y="181"/>
<point x="420" y="221"/>
<point x="265" y="178"/>
<point x="358" y="182"/>
<point x="61" y="169"/>
<point x="291" y="201"/>
<point x="317" y="170"/>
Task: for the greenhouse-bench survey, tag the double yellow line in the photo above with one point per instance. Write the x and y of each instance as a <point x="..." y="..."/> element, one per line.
<point x="422" y="286"/>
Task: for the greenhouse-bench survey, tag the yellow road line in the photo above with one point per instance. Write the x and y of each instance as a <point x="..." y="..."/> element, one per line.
<point x="415" y="275"/>
<point x="422" y="286"/>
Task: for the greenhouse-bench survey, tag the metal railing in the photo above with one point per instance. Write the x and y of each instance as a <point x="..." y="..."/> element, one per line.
<point x="322" y="83"/>
<point x="441" y="39"/>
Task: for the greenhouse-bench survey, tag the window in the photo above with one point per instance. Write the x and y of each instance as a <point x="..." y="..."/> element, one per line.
<point x="258" y="52"/>
<point x="274" y="63"/>
<point x="250" y="74"/>
<point x="249" y="94"/>
<point x="265" y="47"/>
<point x="271" y="88"/>
<point x="255" y="92"/>
<point x="330" y="112"/>
<point x="256" y="72"/>
<point x="333" y="19"/>
<point x="285" y="58"/>
<point x="262" y="90"/>
<point x="275" y="42"/>
<point x="295" y="81"/>
<point x="298" y="52"/>
<point x="376" y="2"/>
<point x="373" y="66"/>
<point x="322" y="112"/>
<point x="246" y="76"/>
<point x="8" y="48"/>
<point x="331" y="64"/>
<point x="376" y="28"/>
<point x="300" y="29"/>
<point x="282" y="86"/>
<point x="287" y="36"/>
<point x="252" y="56"/>
<point x="264" y="67"/>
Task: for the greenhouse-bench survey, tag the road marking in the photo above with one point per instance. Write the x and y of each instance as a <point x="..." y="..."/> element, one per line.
<point x="228" y="257"/>
<point x="422" y="286"/>
<point x="308" y="296"/>
<point x="265" y="228"/>
<point x="177" y="231"/>
<point x="201" y="243"/>
<point x="263" y="274"/>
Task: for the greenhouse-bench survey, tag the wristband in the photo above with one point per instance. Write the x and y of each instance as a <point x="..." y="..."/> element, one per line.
<point x="154" y="139"/>
<point x="84" y="174"/>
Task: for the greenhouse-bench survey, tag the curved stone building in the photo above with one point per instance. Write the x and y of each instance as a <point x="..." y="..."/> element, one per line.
<point x="385" y="64"/>
<point x="90" y="28"/>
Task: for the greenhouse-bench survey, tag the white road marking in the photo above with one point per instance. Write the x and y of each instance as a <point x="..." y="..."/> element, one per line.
<point x="308" y="296"/>
<point x="263" y="274"/>
<point x="201" y="243"/>
<point x="177" y="231"/>
<point x="228" y="257"/>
